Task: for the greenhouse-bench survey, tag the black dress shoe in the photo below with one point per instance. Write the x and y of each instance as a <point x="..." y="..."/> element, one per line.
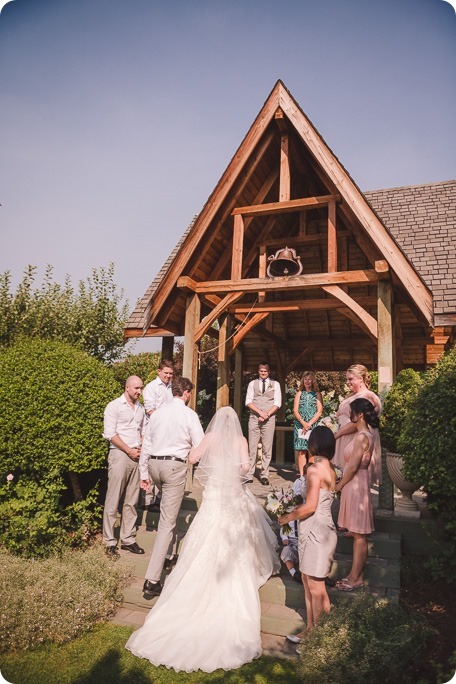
<point x="264" y="480"/>
<point x="112" y="551"/>
<point x="152" y="588"/>
<point x="170" y="562"/>
<point x="298" y="578"/>
<point x="133" y="548"/>
<point x="329" y="582"/>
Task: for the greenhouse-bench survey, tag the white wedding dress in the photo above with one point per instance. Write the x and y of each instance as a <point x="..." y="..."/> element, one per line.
<point x="208" y="614"/>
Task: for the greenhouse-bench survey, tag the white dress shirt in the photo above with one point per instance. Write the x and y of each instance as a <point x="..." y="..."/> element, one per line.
<point x="173" y="429"/>
<point x="277" y="391"/>
<point x="120" y="418"/>
<point x="156" y="393"/>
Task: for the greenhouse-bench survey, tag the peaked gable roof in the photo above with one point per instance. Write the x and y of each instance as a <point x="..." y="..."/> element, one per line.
<point x="251" y="178"/>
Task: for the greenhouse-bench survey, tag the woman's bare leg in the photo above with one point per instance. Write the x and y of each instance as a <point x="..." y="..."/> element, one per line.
<point x="319" y="597"/>
<point x="302" y="461"/>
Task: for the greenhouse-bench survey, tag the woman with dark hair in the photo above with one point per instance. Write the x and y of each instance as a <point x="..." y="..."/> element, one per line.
<point x="317" y="536"/>
<point x="356" y="514"/>
<point x="307" y="409"/>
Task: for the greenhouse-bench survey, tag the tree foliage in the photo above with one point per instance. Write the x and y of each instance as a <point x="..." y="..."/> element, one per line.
<point x="92" y="316"/>
<point x="399" y="400"/>
<point x="144" y="365"/>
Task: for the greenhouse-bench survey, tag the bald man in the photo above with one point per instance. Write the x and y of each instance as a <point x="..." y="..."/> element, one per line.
<point x="123" y="425"/>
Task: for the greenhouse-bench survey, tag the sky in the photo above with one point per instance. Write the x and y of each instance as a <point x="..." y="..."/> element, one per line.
<point x="118" y="118"/>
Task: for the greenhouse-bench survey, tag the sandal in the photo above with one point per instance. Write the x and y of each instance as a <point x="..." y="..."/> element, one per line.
<point x="344" y="586"/>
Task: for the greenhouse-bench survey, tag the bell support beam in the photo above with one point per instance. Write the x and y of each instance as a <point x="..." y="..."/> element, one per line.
<point x="251" y="323"/>
<point x="297" y="305"/>
<point x="286" y="207"/>
<point x="313" y="280"/>
<point x="361" y="316"/>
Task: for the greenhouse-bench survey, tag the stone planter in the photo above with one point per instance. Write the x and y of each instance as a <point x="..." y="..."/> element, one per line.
<point x="404" y="505"/>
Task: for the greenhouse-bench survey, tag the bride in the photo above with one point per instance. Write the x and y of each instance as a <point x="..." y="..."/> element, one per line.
<point x="208" y="614"/>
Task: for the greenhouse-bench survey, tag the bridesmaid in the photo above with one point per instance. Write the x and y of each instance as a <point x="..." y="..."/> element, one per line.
<point x="359" y="382"/>
<point x="356" y="513"/>
<point x="317" y="536"/>
<point x="307" y="409"/>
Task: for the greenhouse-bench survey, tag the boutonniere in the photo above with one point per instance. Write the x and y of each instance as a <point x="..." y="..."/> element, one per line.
<point x="270" y="385"/>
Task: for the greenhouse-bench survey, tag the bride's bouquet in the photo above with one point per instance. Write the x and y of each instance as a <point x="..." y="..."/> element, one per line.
<point x="279" y="502"/>
<point x="330" y="421"/>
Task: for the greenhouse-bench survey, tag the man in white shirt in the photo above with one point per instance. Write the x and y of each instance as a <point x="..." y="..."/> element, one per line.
<point x="155" y="394"/>
<point x="263" y="399"/>
<point x="123" y="424"/>
<point x="159" y="392"/>
<point x="170" y="434"/>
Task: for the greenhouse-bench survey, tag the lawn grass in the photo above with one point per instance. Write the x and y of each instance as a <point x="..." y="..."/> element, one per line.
<point x="100" y="657"/>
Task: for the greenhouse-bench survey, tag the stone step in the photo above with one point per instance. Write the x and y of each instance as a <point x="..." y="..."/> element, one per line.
<point x="380" y="544"/>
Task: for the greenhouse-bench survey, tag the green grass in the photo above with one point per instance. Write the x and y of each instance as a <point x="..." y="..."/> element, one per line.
<point x="100" y="657"/>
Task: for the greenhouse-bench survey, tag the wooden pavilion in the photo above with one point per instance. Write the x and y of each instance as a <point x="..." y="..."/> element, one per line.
<point x="377" y="269"/>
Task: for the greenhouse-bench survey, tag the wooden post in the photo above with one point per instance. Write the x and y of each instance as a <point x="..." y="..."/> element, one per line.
<point x="262" y="268"/>
<point x="386" y="372"/>
<point x="238" y="369"/>
<point x="167" y="350"/>
<point x="332" y="238"/>
<point x="284" y="188"/>
<point x="223" y="371"/>
<point x="190" y="361"/>
<point x="238" y="243"/>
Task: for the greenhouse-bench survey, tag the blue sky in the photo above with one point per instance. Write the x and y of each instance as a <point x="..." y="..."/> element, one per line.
<point x="117" y="118"/>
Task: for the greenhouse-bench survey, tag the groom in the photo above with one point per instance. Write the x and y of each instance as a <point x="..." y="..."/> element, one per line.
<point x="173" y="429"/>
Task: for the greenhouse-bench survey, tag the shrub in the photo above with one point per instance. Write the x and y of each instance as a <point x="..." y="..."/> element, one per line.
<point x="52" y="397"/>
<point x="398" y="403"/>
<point x="364" y="640"/>
<point x="143" y="365"/>
<point x="58" y="598"/>
<point x="428" y="446"/>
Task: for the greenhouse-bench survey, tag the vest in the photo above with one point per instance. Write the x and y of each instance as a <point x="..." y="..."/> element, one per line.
<point x="263" y="401"/>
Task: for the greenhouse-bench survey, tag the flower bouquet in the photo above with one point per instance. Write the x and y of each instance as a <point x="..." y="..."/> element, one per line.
<point x="330" y="421"/>
<point x="279" y="502"/>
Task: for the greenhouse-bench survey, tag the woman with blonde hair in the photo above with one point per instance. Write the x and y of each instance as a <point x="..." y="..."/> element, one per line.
<point x="307" y="409"/>
<point x="359" y="382"/>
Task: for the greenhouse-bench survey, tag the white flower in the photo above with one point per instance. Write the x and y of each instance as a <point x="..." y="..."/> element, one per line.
<point x="10" y="477"/>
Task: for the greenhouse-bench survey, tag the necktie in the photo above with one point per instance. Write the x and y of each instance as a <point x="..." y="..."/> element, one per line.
<point x="264" y="385"/>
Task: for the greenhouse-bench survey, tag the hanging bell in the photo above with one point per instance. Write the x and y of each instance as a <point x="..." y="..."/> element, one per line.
<point x="285" y="262"/>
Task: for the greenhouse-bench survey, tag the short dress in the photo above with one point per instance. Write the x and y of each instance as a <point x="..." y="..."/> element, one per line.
<point x="317" y="538"/>
<point x="343" y="417"/>
<point x="307" y="409"/>
<point x="356" y="513"/>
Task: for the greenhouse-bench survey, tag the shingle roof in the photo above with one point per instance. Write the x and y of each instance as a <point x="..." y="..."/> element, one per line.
<point x="422" y="219"/>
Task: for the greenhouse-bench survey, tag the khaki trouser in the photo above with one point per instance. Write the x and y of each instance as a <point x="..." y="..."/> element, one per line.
<point x="263" y="432"/>
<point x="123" y="480"/>
<point x="170" y="478"/>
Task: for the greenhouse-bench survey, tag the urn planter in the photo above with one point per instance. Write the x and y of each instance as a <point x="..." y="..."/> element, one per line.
<point x="404" y="505"/>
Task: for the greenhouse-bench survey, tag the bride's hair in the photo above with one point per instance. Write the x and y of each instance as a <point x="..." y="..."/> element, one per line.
<point x="322" y="442"/>
<point x="365" y="407"/>
<point x="225" y="451"/>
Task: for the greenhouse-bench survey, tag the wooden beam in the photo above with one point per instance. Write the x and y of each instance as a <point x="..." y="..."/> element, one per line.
<point x="220" y="308"/>
<point x="238" y="375"/>
<point x="238" y="243"/>
<point x="130" y="333"/>
<point x="386" y="346"/>
<point x="167" y="350"/>
<point x="297" y="360"/>
<point x="298" y="305"/>
<point x="284" y="188"/>
<point x="332" y="238"/>
<point x="296" y="240"/>
<point x="262" y="268"/>
<point x="190" y="360"/>
<point x="286" y="207"/>
<point x="280" y="120"/>
<point x="251" y="323"/>
<point x="362" y="317"/>
<point x="301" y="282"/>
<point x="223" y="366"/>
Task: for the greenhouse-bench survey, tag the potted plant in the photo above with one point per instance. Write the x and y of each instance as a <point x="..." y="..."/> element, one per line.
<point x="398" y="402"/>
